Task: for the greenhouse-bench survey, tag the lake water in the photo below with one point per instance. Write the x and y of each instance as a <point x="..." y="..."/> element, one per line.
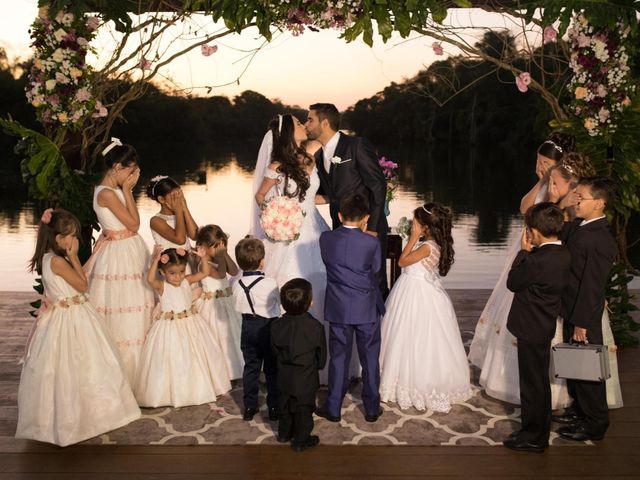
<point x="484" y="192"/>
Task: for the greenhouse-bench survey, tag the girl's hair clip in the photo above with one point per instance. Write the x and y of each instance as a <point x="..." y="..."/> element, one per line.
<point x="555" y="145"/>
<point x="164" y="258"/>
<point x="115" y="142"/>
<point x="46" y="216"/>
<point x="181" y="251"/>
<point x="424" y="208"/>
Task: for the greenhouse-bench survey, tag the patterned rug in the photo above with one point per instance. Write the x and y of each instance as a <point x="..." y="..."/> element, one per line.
<point x="481" y="420"/>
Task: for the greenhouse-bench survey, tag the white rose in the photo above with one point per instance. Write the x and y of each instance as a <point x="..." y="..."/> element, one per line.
<point x="50" y="84"/>
<point x="59" y="34"/>
<point x="58" y="56"/>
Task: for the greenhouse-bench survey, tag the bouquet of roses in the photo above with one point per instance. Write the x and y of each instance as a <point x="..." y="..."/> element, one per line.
<point x="281" y="218"/>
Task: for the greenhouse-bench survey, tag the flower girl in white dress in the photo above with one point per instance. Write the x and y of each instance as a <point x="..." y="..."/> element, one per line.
<point x="215" y="303"/>
<point x="181" y="363"/>
<point x="120" y="259"/>
<point x="73" y="386"/>
<point x="173" y="225"/>
<point x="422" y="359"/>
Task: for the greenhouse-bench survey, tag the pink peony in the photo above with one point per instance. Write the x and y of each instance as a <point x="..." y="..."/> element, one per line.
<point x="437" y="48"/>
<point x="549" y="34"/>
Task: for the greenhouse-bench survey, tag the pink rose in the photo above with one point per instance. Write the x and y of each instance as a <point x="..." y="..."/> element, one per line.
<point x="583" y="40"/>
<point x="208" y="50"/>
<point x="549" y="34"/>
<point x="437" y="48"/>
<point x="522" y="81"/>
<point x="164" y="258"/>
<point x="603" y="115"/>
<point x="144" y="64"/>
<point x="93" y="23"/>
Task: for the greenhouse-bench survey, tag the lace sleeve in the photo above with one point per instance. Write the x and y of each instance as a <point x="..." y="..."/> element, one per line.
<point x="270" y="173"/>
<point x="431" y="262"/>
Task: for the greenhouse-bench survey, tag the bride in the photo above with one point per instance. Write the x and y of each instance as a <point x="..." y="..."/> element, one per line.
<point x="286" y="166"/>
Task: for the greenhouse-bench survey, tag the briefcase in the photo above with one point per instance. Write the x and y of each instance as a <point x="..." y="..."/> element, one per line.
<point x="578" y="361"/>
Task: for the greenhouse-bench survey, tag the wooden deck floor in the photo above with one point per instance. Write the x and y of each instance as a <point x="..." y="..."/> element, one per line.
<point x="615" y="457"/>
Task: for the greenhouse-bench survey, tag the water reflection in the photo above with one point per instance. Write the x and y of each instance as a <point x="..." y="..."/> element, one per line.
<point x="484" y="191"/>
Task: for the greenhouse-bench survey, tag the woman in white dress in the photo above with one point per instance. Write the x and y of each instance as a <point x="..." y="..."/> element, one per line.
<point x="117" y="268"/>
<point x="291" y="170"/>
<point x="422" y="358"/>
<point x="493" y="348"/>
<point x="181" y="363"/>
<point x="73" y="386"/>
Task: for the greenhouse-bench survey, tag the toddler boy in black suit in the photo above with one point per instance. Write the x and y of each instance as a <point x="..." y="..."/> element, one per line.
<point x="538" y="276"/>
<point x="299" y="343"/>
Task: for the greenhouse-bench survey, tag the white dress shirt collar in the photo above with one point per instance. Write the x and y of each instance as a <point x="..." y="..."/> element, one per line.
<point x="556" y="242"/>
<point x="585" y="222"/>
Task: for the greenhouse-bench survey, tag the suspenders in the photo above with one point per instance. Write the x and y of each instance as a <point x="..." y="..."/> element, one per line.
<point x="246" y="292"/>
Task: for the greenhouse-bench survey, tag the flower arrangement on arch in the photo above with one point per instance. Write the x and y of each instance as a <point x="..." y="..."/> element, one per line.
<point x="60" y="79"/>
<point x="389" y="170"/>
<point x="281" y="218"/>
<point x="601" y="85"/>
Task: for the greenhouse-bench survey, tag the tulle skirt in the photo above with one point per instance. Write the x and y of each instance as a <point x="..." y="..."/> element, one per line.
<point x="119" y="291"/>
<point x="73" y="386"/>
<point x="181" y="364"/>
<point x="422" y="358"/>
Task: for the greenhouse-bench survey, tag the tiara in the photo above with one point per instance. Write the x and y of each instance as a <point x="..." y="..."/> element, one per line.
<point x="568" y="168"/>
<point x="423" y="207"/>
<point x="115" y="142"/>
<point x="155" y="181"/>
<point x="555" y="145"/>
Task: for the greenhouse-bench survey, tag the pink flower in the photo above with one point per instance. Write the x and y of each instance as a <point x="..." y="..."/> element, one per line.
<point x="83" y="95"/>
<point x="601" y="91"/>
<point x="46" y="216"/>
<point x="83" y="42"/>
<point x="181" y="251"/>
<point x="101" y="111"/>
<point x="603" y="115"/>
<point x="164" y="258"/>
<point x="437" y="48"/>
<point x="522" y="81"/>
<point x="208" y="50"/>
<point x="144" y="64"/>
<point x="549" y="34"/>
<point x="583" y="40"/>
<point x="93" y="23"/>
<point x="62" y="78"/>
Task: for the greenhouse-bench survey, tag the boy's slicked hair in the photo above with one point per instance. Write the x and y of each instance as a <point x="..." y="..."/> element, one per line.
<point x="249" y="253"/>
<point x="546" y="217"/>
<point x="296" y="296"/>
<point x="354" y="207"/>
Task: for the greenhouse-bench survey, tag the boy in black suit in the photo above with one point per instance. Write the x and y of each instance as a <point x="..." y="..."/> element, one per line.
<point x="298" y="341"/>
<point x="593" y="251"/>
<point x="538" y="276"/>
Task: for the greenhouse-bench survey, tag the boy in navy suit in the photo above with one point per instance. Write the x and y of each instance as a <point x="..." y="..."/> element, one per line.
<point x="593" y="251"/>
<point x="538" y="276"/>
<point x="353" y="306"/>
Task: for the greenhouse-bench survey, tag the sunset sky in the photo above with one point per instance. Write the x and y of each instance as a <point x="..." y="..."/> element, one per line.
<point x="298" y="70"/>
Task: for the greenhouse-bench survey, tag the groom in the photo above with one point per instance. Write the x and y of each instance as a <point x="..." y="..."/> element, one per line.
<point x="348" y="164"/>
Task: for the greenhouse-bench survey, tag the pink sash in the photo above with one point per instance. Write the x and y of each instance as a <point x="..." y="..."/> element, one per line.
<point x="105" y="236"/>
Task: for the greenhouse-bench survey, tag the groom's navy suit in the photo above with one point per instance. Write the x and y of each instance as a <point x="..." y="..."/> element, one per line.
<point x="353" y="304"/>
<point x="359" y="172"/>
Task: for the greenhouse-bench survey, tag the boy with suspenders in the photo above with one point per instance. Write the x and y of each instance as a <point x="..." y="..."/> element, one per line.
<point x="258" y="300"/>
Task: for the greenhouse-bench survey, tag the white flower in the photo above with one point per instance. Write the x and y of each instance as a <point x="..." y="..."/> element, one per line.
<point x="58" y="56"/>
<point x="51" y="84"/>
<point x="60" y="34"/>
<point x="337" y="160"/>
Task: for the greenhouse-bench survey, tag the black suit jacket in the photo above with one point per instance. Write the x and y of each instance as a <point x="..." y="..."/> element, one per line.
<point x="300" y="345"/>
<point x="361" y="174"/>
<point x="538" y="279"/>
<point x="593" y="250"/>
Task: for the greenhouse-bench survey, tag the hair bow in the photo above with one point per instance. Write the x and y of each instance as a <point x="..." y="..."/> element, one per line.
<point x="115" y="142"/>
<point x="46" y="216"/>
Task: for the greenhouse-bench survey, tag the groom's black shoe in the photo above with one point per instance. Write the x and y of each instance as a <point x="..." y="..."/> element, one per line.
<point x="374" y="417"/>
<point x="579" y="433"/>
<point x="516" y="443"/>
<point x="568" y="417"/>
<point x="273" y="414"/>
<point x="321" y="412"/>
<point x="249" y="413"/>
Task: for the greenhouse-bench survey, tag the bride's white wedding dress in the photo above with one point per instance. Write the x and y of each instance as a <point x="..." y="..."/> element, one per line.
<point x="301" y="258"/>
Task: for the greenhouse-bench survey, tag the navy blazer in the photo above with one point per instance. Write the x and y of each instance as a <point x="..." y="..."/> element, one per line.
<point x="359" y="173"/>
<point x="538" y="279"/>
<point x="352" y="258"/>
<point x="593" y="250"/>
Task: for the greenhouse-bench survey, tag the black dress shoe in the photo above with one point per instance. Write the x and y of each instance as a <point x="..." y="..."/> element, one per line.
<point x="568" y="417"/>
<point x="516" y="443"/>
<point x="321" y="412"/>
<point x="515" y="434"/>
<point x="312" y="441"/>
<point x="249" y="413"/>
<point x="273" y="414"/>
<point x="579" y="433"/>
<point x="283" y="438"/>
<point x="374" y="417"/>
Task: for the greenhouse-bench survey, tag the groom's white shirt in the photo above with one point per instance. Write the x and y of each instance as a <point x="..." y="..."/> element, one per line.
<point x="329" y="150"/>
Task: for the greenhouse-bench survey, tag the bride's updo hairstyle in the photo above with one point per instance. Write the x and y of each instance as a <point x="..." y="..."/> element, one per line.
<point x="557" y="145"/>
<point x="438" y="219"/>
<point x="289" y="155"/>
